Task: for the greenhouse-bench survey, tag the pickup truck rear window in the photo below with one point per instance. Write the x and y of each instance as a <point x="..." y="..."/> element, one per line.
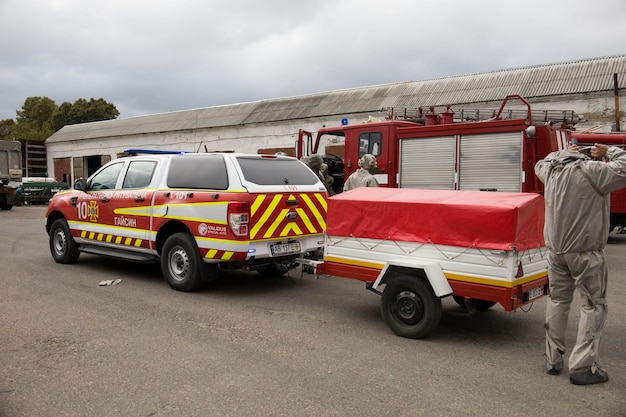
<point x="205" y="172"/>
<point x="269" y="171"/>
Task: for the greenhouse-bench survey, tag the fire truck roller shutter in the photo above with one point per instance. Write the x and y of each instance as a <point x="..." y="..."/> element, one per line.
<point x="418" y="168"/>
<point x="491" y="162"/>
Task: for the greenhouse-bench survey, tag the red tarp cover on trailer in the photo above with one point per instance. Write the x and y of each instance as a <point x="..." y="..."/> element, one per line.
<point x="482" y="219"/>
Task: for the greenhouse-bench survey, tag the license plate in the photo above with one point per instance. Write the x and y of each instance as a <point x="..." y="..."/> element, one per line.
<point x="285" y="248"/>
<point x="534" y="293"/>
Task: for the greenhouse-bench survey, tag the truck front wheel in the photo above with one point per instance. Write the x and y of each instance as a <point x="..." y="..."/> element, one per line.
<point x="181" y="265"/>
<point x="410" y="307"/>
<point x="63" y="248"/>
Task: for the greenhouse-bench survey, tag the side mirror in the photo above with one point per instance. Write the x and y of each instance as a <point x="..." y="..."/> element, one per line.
<point x="80" y="184"/>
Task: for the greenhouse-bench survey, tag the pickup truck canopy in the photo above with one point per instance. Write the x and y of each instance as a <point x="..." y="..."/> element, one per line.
<point x="480" y="219"/>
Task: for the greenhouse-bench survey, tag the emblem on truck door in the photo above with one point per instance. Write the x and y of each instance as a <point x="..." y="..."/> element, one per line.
<point x="292" y="215"/>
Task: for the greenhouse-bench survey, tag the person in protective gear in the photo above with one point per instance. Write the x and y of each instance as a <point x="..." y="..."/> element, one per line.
<point x="315" y="162"/>
<point x="363" y="177"/>
<point x="317" y="165"/>
<point x="327" y="179"/>
<point x="577" y="188"/>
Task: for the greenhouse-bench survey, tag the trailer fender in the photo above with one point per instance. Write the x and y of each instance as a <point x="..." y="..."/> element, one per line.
<point x="431" y="270"/>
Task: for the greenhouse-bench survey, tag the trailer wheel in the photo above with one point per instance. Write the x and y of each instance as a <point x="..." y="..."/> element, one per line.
<point x="410" y="307"/>
<point x="481" y="305"/>
<point x="63" y="248"/>
<point x="181" y="265"/>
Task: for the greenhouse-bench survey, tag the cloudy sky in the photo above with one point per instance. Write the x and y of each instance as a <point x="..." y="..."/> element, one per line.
<point x="154" y="56"/>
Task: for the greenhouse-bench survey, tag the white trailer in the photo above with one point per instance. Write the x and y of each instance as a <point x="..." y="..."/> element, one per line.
<point x="415" y="247"/>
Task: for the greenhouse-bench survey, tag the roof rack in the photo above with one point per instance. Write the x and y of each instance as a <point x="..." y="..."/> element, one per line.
<point x="476" y="114"/>
<point x="137" y="151"/>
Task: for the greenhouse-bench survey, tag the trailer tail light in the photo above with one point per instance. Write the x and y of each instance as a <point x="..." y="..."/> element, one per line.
<point x="239" y="218"/>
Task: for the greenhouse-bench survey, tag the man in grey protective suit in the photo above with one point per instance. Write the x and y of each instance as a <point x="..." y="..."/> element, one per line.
<point x="577" y="189"/>
<point x="363" y="177"/>
<point x="317" y="165"/>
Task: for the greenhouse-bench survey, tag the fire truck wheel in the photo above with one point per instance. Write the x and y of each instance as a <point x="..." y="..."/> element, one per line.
<point x="181" y="265"/>
<point x="410" y="307"/>
<point x="481" y="305"/>
<point x="63" y="248"/>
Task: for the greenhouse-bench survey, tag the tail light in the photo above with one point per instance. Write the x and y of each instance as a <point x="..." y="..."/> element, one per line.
<point x="239" y="218"/>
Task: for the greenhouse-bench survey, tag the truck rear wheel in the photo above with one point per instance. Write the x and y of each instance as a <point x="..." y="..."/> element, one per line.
<point x="63" y="248"/>
<point x="410" y="307"/>
<point x="181" y="265"/>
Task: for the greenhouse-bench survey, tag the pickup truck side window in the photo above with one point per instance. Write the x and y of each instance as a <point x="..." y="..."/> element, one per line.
<point x="139" y="174"/>
<point x="107" y="178"/>
<point x="198" y="172"/>
<point x="370" y="142"/>
<point x="266" y="171"/>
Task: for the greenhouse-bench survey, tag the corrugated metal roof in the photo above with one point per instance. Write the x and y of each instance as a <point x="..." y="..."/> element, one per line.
<point x="583" y="76"/>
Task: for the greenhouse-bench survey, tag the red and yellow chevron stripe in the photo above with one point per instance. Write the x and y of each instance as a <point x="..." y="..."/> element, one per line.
<point x="225" y="255"/>
<point x="270" y="215"/>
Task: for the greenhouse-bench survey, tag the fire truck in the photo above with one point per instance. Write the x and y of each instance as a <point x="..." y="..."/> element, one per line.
<point x="475" y="149"/>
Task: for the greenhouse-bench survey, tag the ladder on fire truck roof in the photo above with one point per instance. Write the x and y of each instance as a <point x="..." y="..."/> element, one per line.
<point x="473" y="114"/>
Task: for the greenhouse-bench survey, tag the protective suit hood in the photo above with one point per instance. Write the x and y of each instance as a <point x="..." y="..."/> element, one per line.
<point x="561" y="158"/>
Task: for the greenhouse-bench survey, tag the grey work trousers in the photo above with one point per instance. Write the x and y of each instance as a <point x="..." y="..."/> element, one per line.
<point x="586" y="272"/>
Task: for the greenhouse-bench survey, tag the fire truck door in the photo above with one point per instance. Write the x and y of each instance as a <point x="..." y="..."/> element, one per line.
<point x="372" y="142"/>
<point x="304" y="144"/>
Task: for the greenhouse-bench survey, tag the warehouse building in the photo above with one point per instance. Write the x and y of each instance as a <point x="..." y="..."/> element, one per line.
<point x="592" y="88"/>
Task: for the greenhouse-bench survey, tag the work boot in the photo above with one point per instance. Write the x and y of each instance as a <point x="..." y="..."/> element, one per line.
<point x="554" y="368"/>
<point x="588" y="377"/>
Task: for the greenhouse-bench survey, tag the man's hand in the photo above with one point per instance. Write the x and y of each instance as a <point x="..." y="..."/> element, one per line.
<point x="598" y="150"/>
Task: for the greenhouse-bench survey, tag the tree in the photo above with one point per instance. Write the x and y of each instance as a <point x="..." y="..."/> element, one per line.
<point x="36" y="112"/>
<point x="83" y="111"/>
<point x="40" y="117"/>
<point x="33" y="120"/>
<point x="61" y="117"/>
<point x="6" y="129"/>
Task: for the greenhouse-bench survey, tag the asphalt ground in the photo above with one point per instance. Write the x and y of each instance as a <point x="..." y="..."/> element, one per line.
<point x="251" y="346"/>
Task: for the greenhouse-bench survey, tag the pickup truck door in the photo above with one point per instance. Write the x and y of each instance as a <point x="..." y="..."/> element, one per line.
<point x="94" y="207"/>
<point x="132" y="210"/>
